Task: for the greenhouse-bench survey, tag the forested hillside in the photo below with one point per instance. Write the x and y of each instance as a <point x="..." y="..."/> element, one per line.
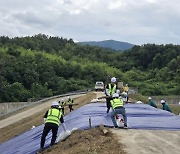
<point x="42" y="66"/>
<point x="111" y="44"/>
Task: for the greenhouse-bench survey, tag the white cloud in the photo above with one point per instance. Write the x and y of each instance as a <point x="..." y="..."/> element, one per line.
<point x="134" y="21"/>
<point x="116" y="4"/>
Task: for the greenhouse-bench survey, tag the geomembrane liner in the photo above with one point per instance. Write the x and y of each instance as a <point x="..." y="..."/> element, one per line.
<point x="139" y="116"/>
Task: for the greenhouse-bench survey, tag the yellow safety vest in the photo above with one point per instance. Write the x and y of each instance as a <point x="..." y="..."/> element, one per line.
<point x="62" y="103"/>
<point x="116" y="103"/>
<point x="112" y="90"/>
<point x="70" y="101"/>
<point x="126" y="89"/>
<point x="54" y="116"/>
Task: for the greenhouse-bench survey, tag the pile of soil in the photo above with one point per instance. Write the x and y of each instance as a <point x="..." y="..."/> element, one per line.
<point x="92" y="141"/>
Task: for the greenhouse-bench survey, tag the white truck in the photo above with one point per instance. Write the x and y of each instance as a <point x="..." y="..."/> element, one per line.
<point x="99" y="86"/>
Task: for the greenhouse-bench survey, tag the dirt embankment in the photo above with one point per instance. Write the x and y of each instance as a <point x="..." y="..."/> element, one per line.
<point x="92" y="141"/>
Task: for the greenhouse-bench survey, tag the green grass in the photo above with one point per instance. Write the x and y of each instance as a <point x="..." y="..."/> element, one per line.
<point x="138" y="97"/>
<point x="175" y="108"/>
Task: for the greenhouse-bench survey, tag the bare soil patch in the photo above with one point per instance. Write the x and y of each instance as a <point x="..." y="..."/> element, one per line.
<point x="92" y="141"/>
<point x="149" y="141"/>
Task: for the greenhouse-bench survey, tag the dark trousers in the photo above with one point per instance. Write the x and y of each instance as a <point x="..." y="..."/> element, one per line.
<point x="108" y="104"/>
<point x="63" y="110"/>
<point x="47" y="128"/>
<point x="70" y="108"/>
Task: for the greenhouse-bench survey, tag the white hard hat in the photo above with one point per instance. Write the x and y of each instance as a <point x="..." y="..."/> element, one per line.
<point x="162" y="101"/>
<point x="149" y="98"/>
<point x="62" y="100"/>
<point x="113" y="79"/>
<point x="115" y="95"/>
<point x="126" y="84"/>
<point x="139" y="102"/>
<point x="55" y="103"/>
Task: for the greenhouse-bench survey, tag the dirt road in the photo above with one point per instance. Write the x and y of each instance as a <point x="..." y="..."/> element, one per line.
<point x="150" y="141"/>
<point x="27" y="113"/>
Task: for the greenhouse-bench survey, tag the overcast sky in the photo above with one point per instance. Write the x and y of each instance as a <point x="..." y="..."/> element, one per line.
<point x="134" y="21"/>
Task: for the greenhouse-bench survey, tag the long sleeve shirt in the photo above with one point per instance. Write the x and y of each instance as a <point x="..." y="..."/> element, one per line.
<point x="152" y="103"/>
<point x="166" y="107"/>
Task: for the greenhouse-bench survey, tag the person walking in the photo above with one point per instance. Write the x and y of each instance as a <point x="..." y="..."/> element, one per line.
<point x="118" y="108"/>
<point x="52" y="119"/>
<point x="70" y="102"/>
<point x="165" y="105"/>
<point x="151" y="102"/>
<point x="62" y="103"/>
<point x="109" y="91"/>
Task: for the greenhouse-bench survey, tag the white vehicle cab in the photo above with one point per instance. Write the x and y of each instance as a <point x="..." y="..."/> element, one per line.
<point x="99" y="86"/>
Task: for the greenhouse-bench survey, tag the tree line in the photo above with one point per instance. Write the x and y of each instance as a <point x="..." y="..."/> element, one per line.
<point x="42" y="66"/>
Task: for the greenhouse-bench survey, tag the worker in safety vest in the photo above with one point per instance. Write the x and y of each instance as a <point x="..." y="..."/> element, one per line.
<point x="118" y="108"/>
<point x="62" y="103"/>
<point x="109" y="91"/>
<point x="165" y="105"/>
<point x="52" y="119"/>
<point x="70" y="102"/>
<point x="126" y="88"/>
<point x="151" y="102"/>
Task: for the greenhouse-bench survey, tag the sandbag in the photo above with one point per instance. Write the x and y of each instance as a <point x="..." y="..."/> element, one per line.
<point x="62" y="136"/>
<point x="74" y="129"/>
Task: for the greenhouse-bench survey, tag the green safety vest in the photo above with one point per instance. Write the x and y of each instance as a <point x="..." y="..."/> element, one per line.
<point x="53" y="116"/>
<point x="116" y="103"/>
<point x="112" y="90"/>
<point x="70" y="101"/>
<point x="62" y="103"/>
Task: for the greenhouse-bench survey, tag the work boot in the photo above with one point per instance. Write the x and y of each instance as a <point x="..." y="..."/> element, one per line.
<point x="125" y="126"/>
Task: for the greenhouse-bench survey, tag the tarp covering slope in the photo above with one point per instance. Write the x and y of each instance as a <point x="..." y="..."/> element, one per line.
<point x="140" y="116"/>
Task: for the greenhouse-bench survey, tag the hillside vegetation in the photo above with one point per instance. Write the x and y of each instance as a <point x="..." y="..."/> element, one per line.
<point x="111" y="44"/>
<point x="42" y="66"/>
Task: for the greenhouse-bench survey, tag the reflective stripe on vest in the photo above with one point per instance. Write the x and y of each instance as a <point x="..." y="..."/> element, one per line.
<point x="112" y="90"/>
<point x="116" y="103"/>
<point x="53" y="116"/>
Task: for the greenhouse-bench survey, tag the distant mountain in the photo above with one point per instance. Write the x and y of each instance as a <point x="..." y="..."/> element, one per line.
<point x="112" y="44"/>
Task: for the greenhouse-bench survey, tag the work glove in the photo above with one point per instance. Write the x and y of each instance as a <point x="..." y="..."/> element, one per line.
<point x="44" y="120"/>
